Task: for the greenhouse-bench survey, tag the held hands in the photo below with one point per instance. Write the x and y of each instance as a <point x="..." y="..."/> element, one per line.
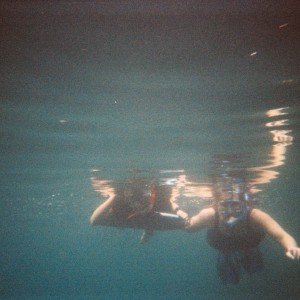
<point x="180" y="212"/>
<point x="293" y="253"/>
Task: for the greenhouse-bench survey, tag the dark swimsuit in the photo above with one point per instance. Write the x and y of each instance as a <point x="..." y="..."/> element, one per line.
<point x="236" y="248"/>
<point x="228" y="242"/>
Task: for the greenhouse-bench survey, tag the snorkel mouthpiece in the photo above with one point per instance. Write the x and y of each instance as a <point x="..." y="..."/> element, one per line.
<point x="232" y="222"/>
<point x="233" y="211"/>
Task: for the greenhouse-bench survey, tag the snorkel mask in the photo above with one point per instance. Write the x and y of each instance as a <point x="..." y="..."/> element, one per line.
<point x="233" y="199"/>
<point x="232" y="211"/>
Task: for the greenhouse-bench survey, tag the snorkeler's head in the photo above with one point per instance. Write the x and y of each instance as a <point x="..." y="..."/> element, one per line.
<point x="231" y="212"/>
<point x="138" y="197"/>
<point x="231" y="204"/>
<point x="231" y="208"/>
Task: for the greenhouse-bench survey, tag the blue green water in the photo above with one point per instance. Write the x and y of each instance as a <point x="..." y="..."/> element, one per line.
<point x="147" y="86"/>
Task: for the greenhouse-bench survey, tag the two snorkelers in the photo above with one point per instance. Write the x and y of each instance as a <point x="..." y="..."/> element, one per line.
<point x="234" y="226"/>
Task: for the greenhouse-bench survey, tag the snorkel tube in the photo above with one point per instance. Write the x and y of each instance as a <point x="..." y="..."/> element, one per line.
<point x="237" y="219"/>
<point x="242" y="198"/>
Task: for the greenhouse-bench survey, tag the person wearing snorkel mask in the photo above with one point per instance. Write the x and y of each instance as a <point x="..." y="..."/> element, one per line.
<point x="236" y="228"/>
<point x="135" y="203"/>
<point x="127" y="201"/>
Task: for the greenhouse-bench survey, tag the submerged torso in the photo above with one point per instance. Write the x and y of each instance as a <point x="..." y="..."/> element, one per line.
<point x="124" y="214"/>
<point x="241" y="237"/>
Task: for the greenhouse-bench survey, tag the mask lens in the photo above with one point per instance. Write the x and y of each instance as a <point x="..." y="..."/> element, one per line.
<point x="230" y="208"/>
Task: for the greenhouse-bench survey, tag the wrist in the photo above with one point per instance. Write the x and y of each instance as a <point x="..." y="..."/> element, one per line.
<point x="176" y="209"/>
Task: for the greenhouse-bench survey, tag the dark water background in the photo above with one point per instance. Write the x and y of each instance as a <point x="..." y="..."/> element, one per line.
<point x="156" y="85"/>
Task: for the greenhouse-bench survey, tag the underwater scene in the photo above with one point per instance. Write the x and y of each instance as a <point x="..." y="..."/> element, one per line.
<point x="165" y="106"/>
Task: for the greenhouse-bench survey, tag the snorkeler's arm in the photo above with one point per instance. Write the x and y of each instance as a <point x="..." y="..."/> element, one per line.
<point x="202" y="220"/>
<point x="102" y="210"/>
<point x="272" y="228"/>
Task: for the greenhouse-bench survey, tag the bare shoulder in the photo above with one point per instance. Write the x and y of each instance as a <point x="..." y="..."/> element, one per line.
<point x="267" y="223"/>
<point x="258" y="215"/>
<point x="263" y="220"/>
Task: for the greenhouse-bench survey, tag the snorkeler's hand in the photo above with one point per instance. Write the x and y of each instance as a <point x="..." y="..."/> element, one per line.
<point x="293" y="253"/>
<point x="182" y="214"/>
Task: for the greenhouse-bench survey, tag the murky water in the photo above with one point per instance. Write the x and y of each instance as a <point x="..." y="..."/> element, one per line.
<point x="87" y="95"/>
